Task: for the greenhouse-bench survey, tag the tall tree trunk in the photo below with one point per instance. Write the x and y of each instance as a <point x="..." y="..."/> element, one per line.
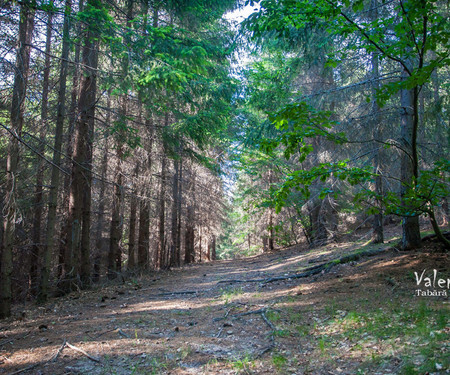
<point x="26" y="25"/>
<point x="38" y="193"/>
<point x="73" y="115"/>
<point x="99" y="241"/>
<point x="377" y="235"/>
<point x="144" y="205"/>
<point x="409" y="167"/>
<point x="132" y="235"/>
<point x="200" y="244"/>
<point x="271" y="230"/>
<point x="179" y="200"/>
<point x="174" y="229"/>
<point x="189" y="255"/>
<point x="318" y="230"/>
<point x="271" y="214"/>
<point x="115" y="254"/>
<point x="144" y="208"/>
<point x="213" y="248"/>
<point x="144" y="234"/>
<point x="162" y="212"/>
<point x="54" y="184"/>
<point x="115" y="251"/>
<point x="78" y="236"/>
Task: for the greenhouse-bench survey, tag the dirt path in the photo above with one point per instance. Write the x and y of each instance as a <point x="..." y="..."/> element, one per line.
<point x="188" y="321"/>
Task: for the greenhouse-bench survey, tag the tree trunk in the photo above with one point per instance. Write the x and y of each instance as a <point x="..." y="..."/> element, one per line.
<point x="271" y="213"/>
<point x="26" y="25"/>
<point x="162" y="212"/>
<point x="189" y="236"/>
<point x="144" y="205"/>
<point x="54" y="185"/>
<point x="213" y="248"/>
<point x="115" y="251"/>
<point x="73" y="115"/>
<point x="115" y="255"/>
<point x="271" y="230"/>
<point x="78" y="239"/>
<point x="200" y="244"/>
<point x="144" y="209"/>
<point x="36" y="250"/>
<point x="132" y="235"/>
<point x="144" y="234"/>
<point x="409" y="167"/>
<point x="100" y="220"/>
<point x="318" y="230"/>
<point x="377" y="235"/>
<point x="179" y="199"/>
<point x="99" y="240"/>
<point x="174" y="229"/>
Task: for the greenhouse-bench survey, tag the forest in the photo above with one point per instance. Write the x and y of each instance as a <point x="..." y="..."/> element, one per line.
<point x="146" y="144"/>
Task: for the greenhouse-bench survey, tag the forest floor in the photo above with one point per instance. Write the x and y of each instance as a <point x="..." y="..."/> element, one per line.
<point x="361" y="317"/>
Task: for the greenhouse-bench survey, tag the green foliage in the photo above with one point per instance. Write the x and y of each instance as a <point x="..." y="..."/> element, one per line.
<point x="426" y="192"/>
<point x="414" y="28"/>
<point x="279" y="361"/>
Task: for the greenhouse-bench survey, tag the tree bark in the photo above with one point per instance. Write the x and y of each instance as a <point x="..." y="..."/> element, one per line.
<point x="99" y="241"/>
<point x="409" y="167"/>
<point x="213" y="248"/>
<point x="73" y="115"/>
<point x="317" y="225"/>
<point x="26" y="25"/>
<point x="144" y="205"/>
<point x="36" y="250"/>
<point x="144" y="209"/>
<point x="132" y="235"/>
<point x="78" y="237"/>
<point x="174" y="228"/>
<point x="200" y="244"/>
<point x="377" y="234"/>
<point x="189" y="256"/>
<point x="271" y="213"/>
<point x="115" y="254"/>
<point x="54" y="184"/>
<point x="162" y="211"/>
<point x="179" y="200"/>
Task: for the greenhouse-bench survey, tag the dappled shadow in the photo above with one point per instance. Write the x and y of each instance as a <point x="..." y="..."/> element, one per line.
<point x="157" y="324"/>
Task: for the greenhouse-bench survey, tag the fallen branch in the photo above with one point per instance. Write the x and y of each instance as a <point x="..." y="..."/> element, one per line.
<point x="101" y="334"/>
<point x="53" y="359"/>
<point x="122" y="333"/>
<point x="95" y="359"/>
<point x="11" y="340"/>
<point x="268" y="322"/>
<point x="240" y="281"/>
<point x="259" y="311"/>
<point x="310" y="271"/>
<point x="6" y="342"/>
<point x="266" y="349"/>
<point x="24" y="369"/>
<point x="225" y="316"/>
<point x="175" y="293"/>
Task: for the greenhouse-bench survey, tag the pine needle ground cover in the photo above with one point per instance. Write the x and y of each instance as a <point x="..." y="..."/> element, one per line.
<point x="359" y="317"/>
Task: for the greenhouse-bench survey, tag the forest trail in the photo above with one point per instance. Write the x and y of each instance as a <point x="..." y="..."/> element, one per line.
<point x="189" y="321"/>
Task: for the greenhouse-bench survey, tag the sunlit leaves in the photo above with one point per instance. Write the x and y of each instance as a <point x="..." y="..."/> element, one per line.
<point x="301" y="180"/>
<point x="425" y="193"/>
